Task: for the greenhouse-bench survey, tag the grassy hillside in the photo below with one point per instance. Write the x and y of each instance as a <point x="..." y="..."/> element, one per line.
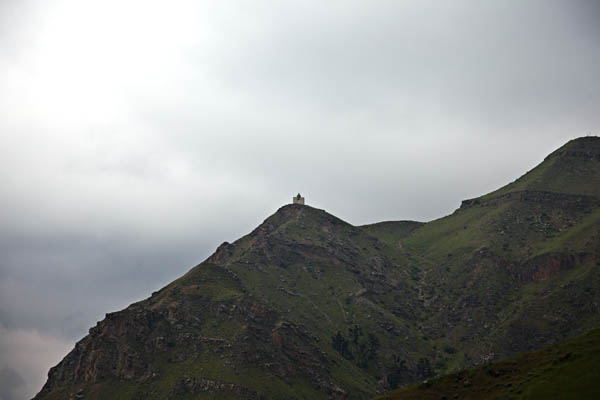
<point x="258" y="320"/>
<point x="568" y="370"/>
<point x="571" y="169"/>
<point x="518" y="267"/>
<point x="391" y="232"/>
<point x="309" y="306"/>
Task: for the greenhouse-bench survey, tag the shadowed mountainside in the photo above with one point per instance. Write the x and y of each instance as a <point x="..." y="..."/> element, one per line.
<point x="309" y="306"/>
<point x="568" y="370"/>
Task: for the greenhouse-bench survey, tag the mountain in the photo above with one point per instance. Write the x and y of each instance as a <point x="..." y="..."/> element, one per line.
<point x="568" y="370"/>
<point x="309" y="306"/>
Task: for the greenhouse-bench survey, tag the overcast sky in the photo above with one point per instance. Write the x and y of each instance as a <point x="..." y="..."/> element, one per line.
<point x="136" y="136"/>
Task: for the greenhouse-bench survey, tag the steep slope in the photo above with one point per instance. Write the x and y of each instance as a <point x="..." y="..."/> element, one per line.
<point x="518" y="268"/>
<point x="256" y="320"/>
<point x="568" y="370"/>
<point x="309" y="306"/>
<point x="572" y="169"/>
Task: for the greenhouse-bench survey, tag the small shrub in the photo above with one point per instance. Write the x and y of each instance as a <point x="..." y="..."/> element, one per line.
<point x="449" y="349"/>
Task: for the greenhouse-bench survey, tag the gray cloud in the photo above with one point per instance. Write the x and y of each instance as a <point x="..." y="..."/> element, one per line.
<point x="134" y="137"/>
<point x="10" y="384"/>
<point x="24" y="352"/>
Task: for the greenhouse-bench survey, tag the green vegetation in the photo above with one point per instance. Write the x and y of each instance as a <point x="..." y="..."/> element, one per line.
<point x="571" y="169"/>
<point x="568" y="370"/>
<point x="309" y="306"/>
<point x="391" y="232"/>
<point x="359" y="347"/>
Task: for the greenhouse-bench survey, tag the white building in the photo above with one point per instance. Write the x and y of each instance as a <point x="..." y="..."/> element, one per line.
<point x="298" y="199"/>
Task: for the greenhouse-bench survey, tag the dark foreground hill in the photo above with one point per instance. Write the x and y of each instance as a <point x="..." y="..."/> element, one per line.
<point x="309" y="306"/>
<point x="568" y="370"/>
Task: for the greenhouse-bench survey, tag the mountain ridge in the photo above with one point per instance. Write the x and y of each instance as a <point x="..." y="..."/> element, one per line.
<point x="309" y="306"/>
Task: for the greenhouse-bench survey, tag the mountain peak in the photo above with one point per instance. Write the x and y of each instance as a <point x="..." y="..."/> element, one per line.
<point x="300" y="215"/>
<point x="572" y="169"/>
<point x="586" y="147"/>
